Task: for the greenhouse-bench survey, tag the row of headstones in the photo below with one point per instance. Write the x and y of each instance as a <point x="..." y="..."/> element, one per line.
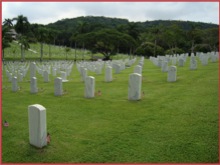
<point x="205" y="57"/>
<point x="20" y="70"/>
<point x="134" y="86"/>
<point x="34" y="89"/>
<point x="90" y="82"/>
<point x="56" y="67"/>
<point x="16" y="70"/>
<point x="134" y="92"/>
<point x="171" y="77"/>
<point x="45" y="71"/>
<point x="181" y="59"/>
<point x="97" y="67"/>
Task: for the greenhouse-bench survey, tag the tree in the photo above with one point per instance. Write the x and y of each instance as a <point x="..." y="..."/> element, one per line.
<point x="42" y="38"/>
<point x="153" y="35"/>
<point x="194" y="36"/>
<point x="23" y="42"/>
<point x="6" y="39"/>
<point x="8" y="23"/>
<point x="22" y="25"/>
<point x="148" y="49"/>
<point x="51" y="36"/>
<point x="106" y="41"/>
<point x="173" y="38"/>
<point x="210" y="38"/>
<point x="67" y="50"/>
<point x="82" y="27"/>
<point x="133" y="30"/>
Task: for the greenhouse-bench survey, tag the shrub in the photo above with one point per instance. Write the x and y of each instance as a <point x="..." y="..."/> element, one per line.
<point x="147" y="49"/>
<point x="174" y="51"/>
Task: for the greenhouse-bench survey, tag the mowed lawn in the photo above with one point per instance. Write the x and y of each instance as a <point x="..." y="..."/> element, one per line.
<point x="173" y="123"/>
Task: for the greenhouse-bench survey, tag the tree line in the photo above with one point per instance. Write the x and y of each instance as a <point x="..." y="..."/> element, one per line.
<point x="112" y="35"/>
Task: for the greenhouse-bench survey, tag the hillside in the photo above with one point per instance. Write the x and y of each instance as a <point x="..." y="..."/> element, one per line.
<point x="71" y="24"/>
<point x="110" y="36"/>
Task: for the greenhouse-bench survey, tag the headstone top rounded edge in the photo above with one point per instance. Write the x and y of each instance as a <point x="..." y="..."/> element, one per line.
<point x="38" y="106"/>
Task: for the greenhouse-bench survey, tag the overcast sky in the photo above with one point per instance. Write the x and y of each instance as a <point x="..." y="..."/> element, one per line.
<point x="49" y="12"/>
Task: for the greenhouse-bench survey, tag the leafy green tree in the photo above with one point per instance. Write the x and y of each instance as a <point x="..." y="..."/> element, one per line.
<point x="147" y="49"/>
<point x="210" y="38"/>
<point x="173" y="37"/>
<point x="106" y="41"/>
<point x="154" y="35"/>
<point x="194" y="36"/>
<point x="175" y="50"/>
<point x="6" y="39"/>
<point x="134" y="30"/>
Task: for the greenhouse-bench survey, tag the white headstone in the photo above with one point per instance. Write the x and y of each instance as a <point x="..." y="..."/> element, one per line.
<point x="213" y="57"/>
<point x="90" y="87"/>
<point x="20" y="77"/>
<point x="34" y="88"/>
<point x="171" y="76"/>
<point x="108" y="74"/>
<point x="46" y="76"/>
<point x="37" y="125"/>
<point x="14" y="84"/>
<point x="134" y="88"/>
<point x="58" y="86"/>
<point x="193" y="64"/>
<point x="204" y="59"/>
<point x="84" y="74"/>
<point x="173" y="60"/>
<point x="54" y="71"/>
<point x="138" y="69"/>
<point x="164" y="67"/>
<point x="32" y="69"/>
<point x="63" y="76"/>
<point x="117" y="68"/>
<point x="159" y="62"/>
<point x="10" y="77"/>
<point x="181" y="62"/>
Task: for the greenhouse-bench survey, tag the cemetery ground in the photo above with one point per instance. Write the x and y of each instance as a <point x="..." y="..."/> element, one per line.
<point x="173" y="122"/>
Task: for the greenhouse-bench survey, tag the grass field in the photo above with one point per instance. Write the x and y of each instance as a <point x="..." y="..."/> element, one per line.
<point x="56" y="53"/>
<point x="173" y="123"/>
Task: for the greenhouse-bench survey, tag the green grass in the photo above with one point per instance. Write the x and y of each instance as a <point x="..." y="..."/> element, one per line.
<point x="173" y="123"/>
<point x="13" y="53"/>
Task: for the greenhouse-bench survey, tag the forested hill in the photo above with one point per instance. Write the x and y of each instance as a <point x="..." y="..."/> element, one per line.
<point x="185" y="25"/>
<point x="93" y="22"/>
<point x="110" y="36"/>
<point x="106" y="22"/>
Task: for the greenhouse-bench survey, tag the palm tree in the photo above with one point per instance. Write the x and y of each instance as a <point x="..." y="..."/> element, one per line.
<point x="156" y="31"/>
<point x="24" y="46"/>
<point x="50" y="39"/>
<point x="8" y="23"/>
<point x="67" y="50"/>
<point x="22" y="25"/>
<point x="82" y="27"/>
<point x="42" y="38"/>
